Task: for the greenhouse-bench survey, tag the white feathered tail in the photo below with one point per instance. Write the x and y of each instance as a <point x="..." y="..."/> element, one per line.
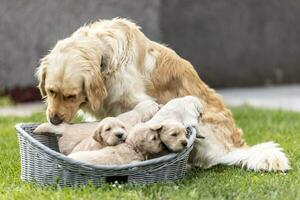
<point x="261" y="157"/>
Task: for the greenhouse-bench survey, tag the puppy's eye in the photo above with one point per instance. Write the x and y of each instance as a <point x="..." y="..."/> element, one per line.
<point x="108" y="129"/>
<point x="154" y="138"/>
<point x="174" y="134"/>
<point x="71" y="97"/>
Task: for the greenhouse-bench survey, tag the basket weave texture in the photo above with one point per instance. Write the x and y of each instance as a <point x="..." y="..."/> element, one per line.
<point x="42" y="163"/>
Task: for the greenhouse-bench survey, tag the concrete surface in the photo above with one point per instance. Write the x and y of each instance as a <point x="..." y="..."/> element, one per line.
<point x="25" y="109"/>
<point x="278" y="97"/>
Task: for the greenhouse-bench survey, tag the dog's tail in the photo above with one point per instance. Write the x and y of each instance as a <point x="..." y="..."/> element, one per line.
<point x="261" y="157"/>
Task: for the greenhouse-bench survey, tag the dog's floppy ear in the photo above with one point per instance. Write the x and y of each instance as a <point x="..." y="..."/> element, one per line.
<point x="156" y="127"/>
<point x="94" y="87"/>
<point x="41" y="75"/>
<point x="97" y="135"/>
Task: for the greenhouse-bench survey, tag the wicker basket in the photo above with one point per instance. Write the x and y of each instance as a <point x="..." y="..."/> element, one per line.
<point x="42" y="163"/>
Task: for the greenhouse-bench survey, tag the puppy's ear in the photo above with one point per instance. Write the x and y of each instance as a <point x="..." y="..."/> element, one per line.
<point x="94" y="87"/>
<point x="41" y="75"/>
<point x="157" y="127"/>
<point x="97" y="135"/>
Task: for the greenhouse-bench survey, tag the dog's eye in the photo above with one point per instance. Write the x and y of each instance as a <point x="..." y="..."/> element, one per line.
<point x="174" y="134"/>
<point x="108" y="129"/>
<point x="51" y="92"/>
<point x="154" y="138"/>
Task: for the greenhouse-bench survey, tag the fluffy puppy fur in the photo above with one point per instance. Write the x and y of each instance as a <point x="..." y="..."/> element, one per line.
<point x="186" y="110"/>
<point x="86" y="136"/>
<point x="142" y="112"/>
<point x="173" y="135"/>
<point x="109" y="66"/>
<point x="140" y="143"/>
<point x="110" y="132"/>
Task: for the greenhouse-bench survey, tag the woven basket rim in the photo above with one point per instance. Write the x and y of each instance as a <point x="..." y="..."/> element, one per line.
<point x="64" y="158"/>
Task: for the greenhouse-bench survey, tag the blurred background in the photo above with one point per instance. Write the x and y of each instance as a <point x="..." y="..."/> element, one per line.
<point x="231" y="43"/>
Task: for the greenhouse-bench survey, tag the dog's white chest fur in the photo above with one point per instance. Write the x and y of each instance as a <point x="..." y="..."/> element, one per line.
<point x="125" y="90"/>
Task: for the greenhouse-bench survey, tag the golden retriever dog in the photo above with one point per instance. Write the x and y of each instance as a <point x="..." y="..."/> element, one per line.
<point x="86" y="136"/>
<point x="109" y="66"/>
<point x="139" y="145"/>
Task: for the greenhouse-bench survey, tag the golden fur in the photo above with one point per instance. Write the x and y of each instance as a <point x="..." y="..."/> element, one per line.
<point x="139" y="145"/>
<point x="86" y="136"/>
<point x="107" y="67"/>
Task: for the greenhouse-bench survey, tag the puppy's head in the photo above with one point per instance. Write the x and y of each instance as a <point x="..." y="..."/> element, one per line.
<point x="173" y="135"/>
<point x="146" y="139"/>
<point x="70" y="78"/>
<point x="111" y="131"/>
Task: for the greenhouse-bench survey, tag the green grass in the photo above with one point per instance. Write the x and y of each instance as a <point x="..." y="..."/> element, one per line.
<point x="220" y="182"/>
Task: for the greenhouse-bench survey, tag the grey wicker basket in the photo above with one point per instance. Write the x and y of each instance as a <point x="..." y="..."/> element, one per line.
<point x="41" y="163"/>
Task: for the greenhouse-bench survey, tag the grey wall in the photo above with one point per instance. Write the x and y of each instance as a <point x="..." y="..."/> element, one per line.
<point x="231" y="43"/>
<point x="28" y="29"/>
<point x="234" y="42"/>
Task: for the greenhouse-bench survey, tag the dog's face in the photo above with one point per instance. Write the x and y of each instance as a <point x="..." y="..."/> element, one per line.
<point x="173" y="135"/>
<point x="111" y="131"/>
<point x="146" y="139"/>
<point x="70" y="79"/>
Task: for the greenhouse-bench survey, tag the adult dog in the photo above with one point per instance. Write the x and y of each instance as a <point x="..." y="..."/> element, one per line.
<point x="107" y="67"/>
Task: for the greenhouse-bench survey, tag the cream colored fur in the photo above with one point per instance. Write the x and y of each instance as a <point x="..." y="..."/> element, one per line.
<point x="120" y="67"/>
<point x="186" y="110"/>
<point x="139" y="145"/>
<point x="86" y="136"/>
<point x="142" y="112"/>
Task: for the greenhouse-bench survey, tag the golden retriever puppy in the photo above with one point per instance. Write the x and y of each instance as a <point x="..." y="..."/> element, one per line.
<point x="186" y="110"/>
<point x="139" y="145"/>
<point x="110" y="132"/>
<point x="107" y="67"/>
<point x="173" y="135"/>
<point x="86" y="136"/>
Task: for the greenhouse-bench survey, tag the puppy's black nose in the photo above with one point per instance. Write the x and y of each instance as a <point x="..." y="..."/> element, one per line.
<point x="184" y="143"/>
<point x="119" y="135"/>
<point x="56" y="120"/>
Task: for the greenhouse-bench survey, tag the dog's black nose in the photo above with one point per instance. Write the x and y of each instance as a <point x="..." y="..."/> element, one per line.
<point x="56" y="120"/>
<point x="184" y="143"/>
<point x="119" y="135"/>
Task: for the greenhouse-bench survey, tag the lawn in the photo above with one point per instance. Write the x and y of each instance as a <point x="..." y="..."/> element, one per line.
<point x="220" y="182"/>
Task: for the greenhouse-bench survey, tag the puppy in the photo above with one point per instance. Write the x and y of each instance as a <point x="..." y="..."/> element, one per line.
<point x="110" y="132"/>
<point x="86" y="136"/>
<point x="173" y="135"/>
<point x="186" y="110"/>
<point x="142" y="141"/>
<point x="142" y="112"/>
<point x="78" y="137"/>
